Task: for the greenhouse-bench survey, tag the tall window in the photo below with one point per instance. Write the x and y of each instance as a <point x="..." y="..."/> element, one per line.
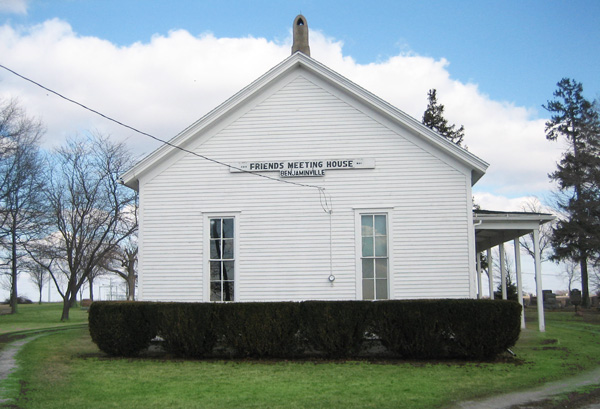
<point x="374" y="257"/>
<point x="222" y="259"/>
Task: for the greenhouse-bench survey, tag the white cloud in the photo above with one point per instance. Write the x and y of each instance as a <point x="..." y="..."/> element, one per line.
<point x="13" y="6"/>
<point x="163" y="85"/>
<point x="490" y="201"/>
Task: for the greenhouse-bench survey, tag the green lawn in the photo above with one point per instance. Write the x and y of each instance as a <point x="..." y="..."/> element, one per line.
<point x="35" y="316"/>
<point x="66" y="370"/>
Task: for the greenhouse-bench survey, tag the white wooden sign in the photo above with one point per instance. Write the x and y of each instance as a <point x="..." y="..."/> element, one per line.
<point x="302" y="168"/>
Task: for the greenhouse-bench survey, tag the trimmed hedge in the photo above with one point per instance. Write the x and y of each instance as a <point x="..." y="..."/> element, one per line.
<point x="260" y="329"/>
<point x="447" y="328"/>
<point x="416" y="329"/>
<point x="188" y="330"/>
<point x="337" y="329"/>
<point x="122" y="329"/>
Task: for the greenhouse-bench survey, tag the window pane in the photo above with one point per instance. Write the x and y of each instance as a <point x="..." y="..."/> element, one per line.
<point x="228" y="270"/>
<point x="228" y="249"/>
<point x="215" y="228"/>
<point x="368" y="290"/>
<point x="367" y="246"/>
<point x="215" y="270"/>
<point x="215" y="249"/>
<point x="367" y="225"/>
<point x="380" y="246"/>
<point x="228" y="291"/>
<point x="367" y="268"/>
<point x="215" y="291"/>
<point x="381" y="288"/>
<point x="228" y="228"/>
<point x="221" y="258"/>
<point x="380" y="225"/>
<point x="381" y="268"/>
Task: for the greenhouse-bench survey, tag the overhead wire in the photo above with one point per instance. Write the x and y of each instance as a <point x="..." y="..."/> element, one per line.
<point x="324" y="197"/>
<point x="164" y="142"/>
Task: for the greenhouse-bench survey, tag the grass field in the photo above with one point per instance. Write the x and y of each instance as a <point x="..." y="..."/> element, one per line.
<point x="35" y="316"/>
<point x="66" y="370"/>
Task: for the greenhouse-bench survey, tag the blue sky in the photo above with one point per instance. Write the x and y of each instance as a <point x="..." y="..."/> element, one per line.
<point x="514" y="50"/>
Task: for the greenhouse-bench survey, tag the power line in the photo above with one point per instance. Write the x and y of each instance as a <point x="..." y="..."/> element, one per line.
<point x="324" y="198"/>
<point x="319" y="188"/>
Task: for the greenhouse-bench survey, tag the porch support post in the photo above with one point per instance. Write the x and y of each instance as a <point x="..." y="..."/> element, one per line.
<point x="503" y="270"/>
<point x="479" y="288"/>
<point x="519" y="280"/>
<point x="491" y="273"/>
<point x="538" y="279"/>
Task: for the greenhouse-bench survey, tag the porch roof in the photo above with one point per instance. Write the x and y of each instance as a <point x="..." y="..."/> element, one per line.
<point x="493" y="227"/>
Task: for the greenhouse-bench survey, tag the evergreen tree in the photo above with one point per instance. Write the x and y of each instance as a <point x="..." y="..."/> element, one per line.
<point x="577" y="236"/>
<point x="433" y="118"/>
<point x="511" y="289"/>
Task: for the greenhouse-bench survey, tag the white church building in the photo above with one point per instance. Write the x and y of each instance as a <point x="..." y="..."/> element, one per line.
<point x="305" y="186"/>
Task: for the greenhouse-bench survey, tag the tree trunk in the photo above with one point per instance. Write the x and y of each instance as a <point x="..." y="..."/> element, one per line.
<point x="91" y="282"/>
<point x="131" y="276"/>
<point x="14" y="293"/>
<point x="66" y="307"/>
<point x="73" y="299"/>
<point x="70" y="301"/>
<point x="131" y="287"/>
<point x="41" y="288"/>
<point x="585" y="292"/>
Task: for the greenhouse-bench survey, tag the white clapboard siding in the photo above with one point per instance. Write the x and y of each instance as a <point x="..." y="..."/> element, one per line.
<point x="283" y="251"/>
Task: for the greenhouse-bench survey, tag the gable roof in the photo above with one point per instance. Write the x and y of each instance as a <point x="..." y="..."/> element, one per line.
<point x="298" y="59"/>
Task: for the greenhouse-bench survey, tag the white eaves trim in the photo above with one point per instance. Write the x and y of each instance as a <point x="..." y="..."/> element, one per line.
<point x="512" y="217"/>
<point x="477" y="165"/>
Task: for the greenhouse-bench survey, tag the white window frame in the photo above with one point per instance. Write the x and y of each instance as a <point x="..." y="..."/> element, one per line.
<point x="358" y="213"/>
<point x="206" y="253"/>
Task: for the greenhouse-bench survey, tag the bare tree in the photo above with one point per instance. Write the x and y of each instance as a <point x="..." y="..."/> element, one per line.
<point x="533" y="205"/>
<point x="21" y="198"/>
<point x="98" y="271"/>
<point x="39" y="277"/>
<point x="89" y="213"/>
<point x="570" y="272"/>
<point x="123" y="262"/>
<point x="6" y="283"/>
